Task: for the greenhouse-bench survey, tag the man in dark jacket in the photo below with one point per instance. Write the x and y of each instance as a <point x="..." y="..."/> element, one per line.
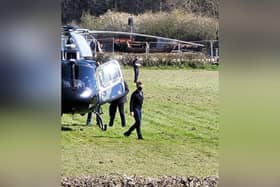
<point x="136" y="66"/>
<point x="120" y="104"/>
<point x="136" y="102"/>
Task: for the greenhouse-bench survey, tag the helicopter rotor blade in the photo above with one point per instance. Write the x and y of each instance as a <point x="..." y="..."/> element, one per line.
<point x="141" y="35"/>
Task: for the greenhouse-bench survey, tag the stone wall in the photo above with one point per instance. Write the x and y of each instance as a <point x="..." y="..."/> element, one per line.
<point x="133" y="181"/>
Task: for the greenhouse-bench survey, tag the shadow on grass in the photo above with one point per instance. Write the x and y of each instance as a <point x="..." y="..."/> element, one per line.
<point x="63" y="128"/>
<point x="106" y="136"/>
<point x="109" y="137"/>
<point x="67" y="127"/>
<point x="74" y="125"/>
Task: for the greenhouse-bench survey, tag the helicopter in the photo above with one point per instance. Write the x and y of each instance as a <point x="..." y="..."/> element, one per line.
<point x="86" y="84"/>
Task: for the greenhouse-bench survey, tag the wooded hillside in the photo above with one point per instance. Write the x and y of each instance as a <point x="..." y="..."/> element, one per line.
<point x="74" y="9"/>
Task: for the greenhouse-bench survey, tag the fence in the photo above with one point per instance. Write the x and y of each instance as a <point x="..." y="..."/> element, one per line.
<point x="164" y="52"/>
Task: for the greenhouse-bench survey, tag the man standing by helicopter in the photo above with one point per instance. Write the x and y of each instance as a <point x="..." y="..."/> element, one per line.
<point x="136" y="102"/>
<point x="136" y="66"/>
<point x="120" y="104"/>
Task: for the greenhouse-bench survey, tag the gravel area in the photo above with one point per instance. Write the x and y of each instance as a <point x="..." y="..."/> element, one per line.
<point x="137" y="181"/>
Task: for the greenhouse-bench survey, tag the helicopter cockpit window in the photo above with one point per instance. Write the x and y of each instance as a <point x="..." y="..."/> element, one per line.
<point x="86" y="75"/>
<point x="83" y="76"/>
<point x="109" y="75"/>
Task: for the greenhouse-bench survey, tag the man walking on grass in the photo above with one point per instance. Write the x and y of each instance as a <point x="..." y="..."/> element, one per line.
<point x="136" y="102"/>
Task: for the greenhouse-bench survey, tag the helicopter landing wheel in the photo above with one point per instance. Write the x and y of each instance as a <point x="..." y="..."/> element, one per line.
<point x="102" y="126"/>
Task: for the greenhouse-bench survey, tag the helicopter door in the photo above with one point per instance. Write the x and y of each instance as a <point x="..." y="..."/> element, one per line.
<point x="110" y="83"/>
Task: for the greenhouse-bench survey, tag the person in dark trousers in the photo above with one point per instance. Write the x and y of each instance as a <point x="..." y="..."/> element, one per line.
<point x="136" y="102"/>
<point x="89" y="119"/>
<point x="136" y="66"/>
<point x="120" y="104"/>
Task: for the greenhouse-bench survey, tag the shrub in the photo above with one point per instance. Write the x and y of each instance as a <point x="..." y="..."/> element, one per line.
<point x="191" y="60"/>
<point x="176" y="24"/>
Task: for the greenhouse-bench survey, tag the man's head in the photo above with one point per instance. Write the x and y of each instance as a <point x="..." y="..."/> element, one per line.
<point x="139" y="85"/>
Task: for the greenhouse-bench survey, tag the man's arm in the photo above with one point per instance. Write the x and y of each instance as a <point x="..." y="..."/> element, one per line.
<point x="132" y="102"/>
<point x="126" y="88"/>
<point x="137" y="63"/>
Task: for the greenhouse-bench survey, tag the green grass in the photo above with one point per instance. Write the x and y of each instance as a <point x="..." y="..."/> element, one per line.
<point x="209" y="67"/>
<point x="180" y="127"/>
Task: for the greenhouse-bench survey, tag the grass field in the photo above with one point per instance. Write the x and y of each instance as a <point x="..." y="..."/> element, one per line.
<point x="180" y="127"/>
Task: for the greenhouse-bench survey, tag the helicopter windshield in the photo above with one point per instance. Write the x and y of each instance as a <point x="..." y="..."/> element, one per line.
<point x="84" y="75"/>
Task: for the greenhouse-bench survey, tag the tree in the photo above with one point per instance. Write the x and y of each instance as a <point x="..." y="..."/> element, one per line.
<point x="73" y="9"/>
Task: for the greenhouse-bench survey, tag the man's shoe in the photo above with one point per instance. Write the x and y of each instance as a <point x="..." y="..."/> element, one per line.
<point x="140" y="138"/>
<point x="110" y="124"/>
<point x="126" y="134"/>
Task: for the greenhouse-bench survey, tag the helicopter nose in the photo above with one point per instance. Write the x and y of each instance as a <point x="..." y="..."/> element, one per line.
<point x="77" y="100"/>
<point x="86" y="93"/>
<point x="82" y="96"/>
